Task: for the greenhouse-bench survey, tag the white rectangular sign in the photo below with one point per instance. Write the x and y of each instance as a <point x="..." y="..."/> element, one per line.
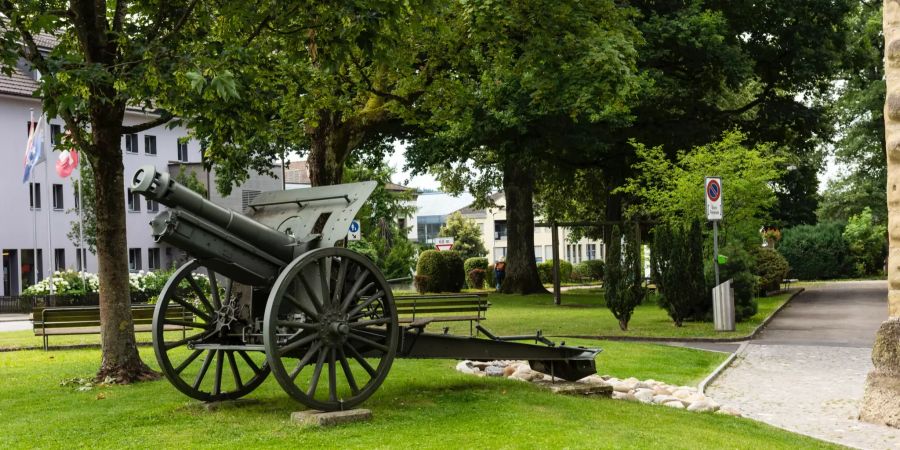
<point x="713" y="194"/>
<point x="354" y="233"/>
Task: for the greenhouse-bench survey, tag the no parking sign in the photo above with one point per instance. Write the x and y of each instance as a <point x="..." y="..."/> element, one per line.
<point x="713" y="198"/>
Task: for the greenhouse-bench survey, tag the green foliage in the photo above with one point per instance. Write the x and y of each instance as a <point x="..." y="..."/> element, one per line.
<point x="466" y="236"/>
<point x="383" y="241"/>
<point x="816" y="252"/>
<point x="489" y="277"/>
<point x="188" y="178"/>
<point x="439" y="272"/>
<point x="475" y="278"/>
<point x="676" y="261"/>
<point x="474" y="263"/>
<point x="858" y="113"/>
<point x="624" y="281"/>
<point x="770" y="267"/>
<point x="545" y="271"/>
<point x="739" y="269"/>
<point x="674" y="194"/>
<point x="592" y="268"/>
<point x="867" y="243"/>
<point x="88" y="223"/>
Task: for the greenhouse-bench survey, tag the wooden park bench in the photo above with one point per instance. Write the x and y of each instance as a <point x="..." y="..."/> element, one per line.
<point x="420" y="310"/>
<point x="61" y="321"/>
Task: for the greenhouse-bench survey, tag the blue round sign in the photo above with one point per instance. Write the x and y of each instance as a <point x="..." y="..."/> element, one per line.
<point x="354" y="226"/>
<point x="713" y="190"/>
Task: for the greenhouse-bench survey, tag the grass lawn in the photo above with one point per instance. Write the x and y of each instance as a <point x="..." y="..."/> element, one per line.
<point x="423" y="404"/>
<point x="582" y="313"/>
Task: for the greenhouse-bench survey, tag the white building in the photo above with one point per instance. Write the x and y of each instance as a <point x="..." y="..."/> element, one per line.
<point x="492" y="223"/>
<point x="43" y="222"/>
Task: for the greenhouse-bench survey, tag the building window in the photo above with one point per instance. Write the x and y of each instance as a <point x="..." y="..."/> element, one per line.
<point x="59" y="258"/>
<point x="182" y="151"/>
<point x="57" y="197"/>
<point x="152" y="205"/>
<point x="499" y="252"/>
<point x="134" y="259"/>
<point x="153" y="259"/>
<point x="77" y="203"/>
<point x="30" y="126"/>
<point x="134" y="201"/>
<point x="81" y="259"/>
<point x="131" y="143"/>
<point x="538" y="257"/>
<point x="578" y="254"/>
<point x="401" y="223"/>
<point x="34" y="195"/>
<point x="548" y="252"/>
<point x="591" y="252"/>
<point x="55" y="134"/>
<point x="150" y="144"/>
<point x="499" y="230"/>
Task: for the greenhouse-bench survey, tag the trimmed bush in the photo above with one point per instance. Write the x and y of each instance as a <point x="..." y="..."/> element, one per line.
<point x="423" y="284"/>
<point x="770" y="267"/>
<point x="545" y="271"/>
<point x="816" y="252"/>
<point x="592" y="269"/>
<point x="439" y="272"/>
<point x="475" y="277"/>
<point x="471" y="264"/>
<point x="489" y="277"/>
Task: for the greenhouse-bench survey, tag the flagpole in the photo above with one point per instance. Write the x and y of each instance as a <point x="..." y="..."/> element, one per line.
<point x="51" y="257"/>
<point x="34" y="192"/>
<point x="82" y="254"/>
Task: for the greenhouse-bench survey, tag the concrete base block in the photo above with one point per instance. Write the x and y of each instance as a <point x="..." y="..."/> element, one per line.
<point x="327" y="419"/>
<point x="573" y="388"/>
<point x="227" y="404"/>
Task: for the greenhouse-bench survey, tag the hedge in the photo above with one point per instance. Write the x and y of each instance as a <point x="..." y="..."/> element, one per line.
<point x="471" y="264"/>
<point x="770" y="267"/>
<point x="545" y="271"/>
<point x="816" y="252"/>
<point x="439" y="272"/>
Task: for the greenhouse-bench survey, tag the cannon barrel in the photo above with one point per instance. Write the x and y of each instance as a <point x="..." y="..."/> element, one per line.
<point x="159" y="186"/>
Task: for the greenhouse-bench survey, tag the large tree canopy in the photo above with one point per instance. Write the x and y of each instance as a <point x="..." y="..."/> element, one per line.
<point x="96" y="59"/>
<point x="531" y="70"/>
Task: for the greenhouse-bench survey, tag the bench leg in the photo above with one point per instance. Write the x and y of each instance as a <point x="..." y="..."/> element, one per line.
<point x="46" y="346"/>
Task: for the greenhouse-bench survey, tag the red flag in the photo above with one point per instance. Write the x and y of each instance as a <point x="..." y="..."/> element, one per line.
<point x="66" y="163"/>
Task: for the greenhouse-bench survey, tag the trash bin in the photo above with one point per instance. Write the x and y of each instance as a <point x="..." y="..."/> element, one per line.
<point x="723" y="307"/>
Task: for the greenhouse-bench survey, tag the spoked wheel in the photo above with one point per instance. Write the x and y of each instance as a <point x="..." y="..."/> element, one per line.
<point x="197" y="310"/>
<point x="330" y="329"/>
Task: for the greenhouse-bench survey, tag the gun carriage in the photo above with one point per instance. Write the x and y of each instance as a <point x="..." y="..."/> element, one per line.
<point x="271" y="292"/>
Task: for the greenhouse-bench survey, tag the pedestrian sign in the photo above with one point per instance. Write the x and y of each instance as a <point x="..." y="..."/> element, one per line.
<point x="354" y="233"/>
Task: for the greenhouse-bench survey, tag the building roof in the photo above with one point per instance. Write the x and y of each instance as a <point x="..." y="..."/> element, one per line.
<point x="440" y="204"/>
<point x="470" y="211"/>
<point x="20" y="83"/>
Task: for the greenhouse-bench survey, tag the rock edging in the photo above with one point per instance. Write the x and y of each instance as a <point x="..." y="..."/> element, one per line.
<point x="632" y="389"/>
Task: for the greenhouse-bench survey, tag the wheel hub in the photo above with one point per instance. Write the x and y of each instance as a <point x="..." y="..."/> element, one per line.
<point x="334" y="330"/>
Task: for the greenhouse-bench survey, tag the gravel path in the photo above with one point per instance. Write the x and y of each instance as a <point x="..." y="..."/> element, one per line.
<point x="806" y="372"/>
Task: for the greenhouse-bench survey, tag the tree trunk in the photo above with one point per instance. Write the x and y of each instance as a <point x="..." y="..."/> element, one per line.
<point x="880" y="403"/>
<point x="521" y="269"/>
<point x="331" y="142"/>
<point x="120" y="354"/>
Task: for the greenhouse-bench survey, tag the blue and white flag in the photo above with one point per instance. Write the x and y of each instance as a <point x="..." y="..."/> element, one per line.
<point x="34" y="151"/>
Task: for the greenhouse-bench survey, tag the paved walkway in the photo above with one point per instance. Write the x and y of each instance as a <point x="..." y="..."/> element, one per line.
<point x="806" y="372"/>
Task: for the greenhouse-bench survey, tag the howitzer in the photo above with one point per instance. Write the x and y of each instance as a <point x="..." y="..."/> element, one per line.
<point x="271" y="292"/>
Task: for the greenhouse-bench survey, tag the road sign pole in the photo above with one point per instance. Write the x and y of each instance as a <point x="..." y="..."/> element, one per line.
<point x="716" y="249"/>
